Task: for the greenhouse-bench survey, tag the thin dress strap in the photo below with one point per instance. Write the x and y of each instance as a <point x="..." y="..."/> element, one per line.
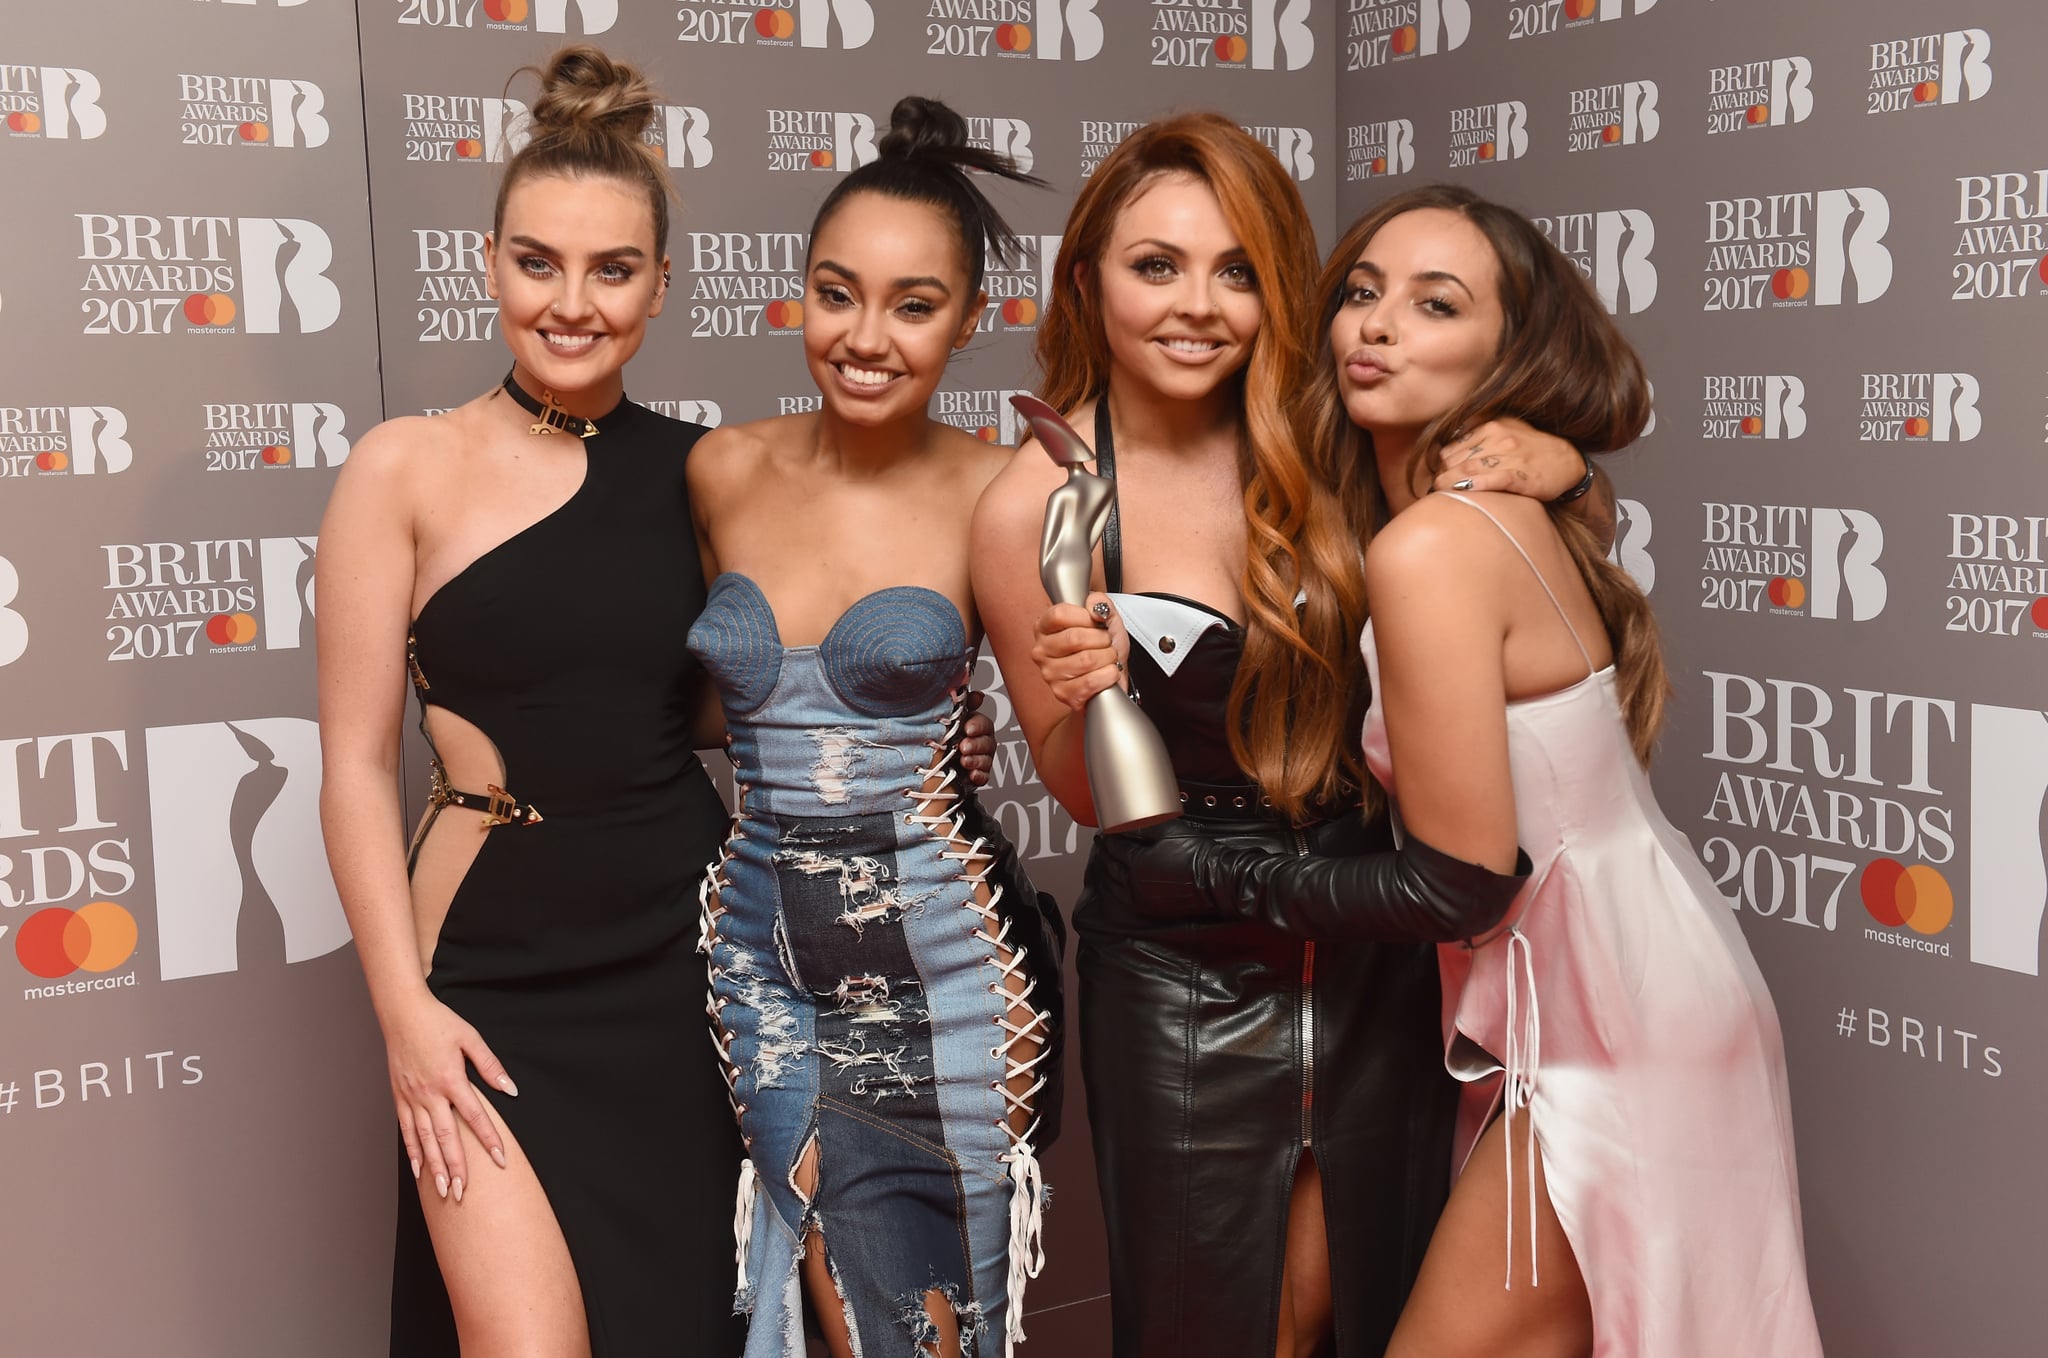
<point x="1112" y="531"/>
<point x="1528" y="561"/>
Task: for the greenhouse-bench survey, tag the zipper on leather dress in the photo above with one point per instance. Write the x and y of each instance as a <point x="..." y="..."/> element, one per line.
<point x="1308" y="1020"/>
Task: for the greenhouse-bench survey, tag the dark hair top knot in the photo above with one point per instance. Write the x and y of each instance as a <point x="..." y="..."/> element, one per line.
<point x="925" y="158"/>
<point x="583" y="89"/>
<point x="590" y="120"/>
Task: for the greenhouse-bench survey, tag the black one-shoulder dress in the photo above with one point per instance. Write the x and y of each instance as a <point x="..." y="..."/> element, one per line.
<point x="571" y="943"/>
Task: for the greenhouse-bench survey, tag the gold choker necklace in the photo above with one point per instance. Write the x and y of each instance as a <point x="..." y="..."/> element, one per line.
<point x="552" y="416"/>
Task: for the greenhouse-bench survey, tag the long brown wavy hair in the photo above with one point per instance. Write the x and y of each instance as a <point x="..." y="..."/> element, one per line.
<point x="1293" y="699"/>
<point x="1562" y="365"/>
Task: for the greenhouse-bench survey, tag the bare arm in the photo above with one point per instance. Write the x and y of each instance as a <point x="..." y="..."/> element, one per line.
<point x="1439" y="626"/>
<point x="365" y="578"/>
<point x="1508" y="455"/>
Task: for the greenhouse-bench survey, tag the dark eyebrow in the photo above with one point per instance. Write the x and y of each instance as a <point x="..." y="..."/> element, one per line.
<point x="1366" y="266"/>
<point x="901" y="284"/>
<point x="1166" y="247"/>
<point x="616" y="252"/>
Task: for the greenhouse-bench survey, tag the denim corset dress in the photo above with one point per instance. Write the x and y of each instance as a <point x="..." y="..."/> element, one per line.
<point x="865" y="925"/>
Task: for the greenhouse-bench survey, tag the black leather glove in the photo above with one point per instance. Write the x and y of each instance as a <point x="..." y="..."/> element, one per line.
<point x="1411" y="894"/>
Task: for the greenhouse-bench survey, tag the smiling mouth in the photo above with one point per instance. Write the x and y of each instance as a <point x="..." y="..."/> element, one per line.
<point x="872" y="379"/>
<point x="569" y="345"/>
<point x="1193" y="347"/>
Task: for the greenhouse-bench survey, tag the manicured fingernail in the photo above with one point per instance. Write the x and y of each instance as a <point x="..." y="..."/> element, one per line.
<point x="505" y="1083"/>
<point x="1465" y="484"/>
<point x="458" y="1190"/>
<point x="415" y="1168"/>
<point x="498" y="1154"/>
<point x="441" y="1184"/>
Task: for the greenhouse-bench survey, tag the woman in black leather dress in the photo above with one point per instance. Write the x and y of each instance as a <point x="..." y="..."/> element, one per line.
<point x="1270" y="1111"/>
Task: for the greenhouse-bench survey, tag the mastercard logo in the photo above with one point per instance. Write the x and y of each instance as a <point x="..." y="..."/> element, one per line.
<point x="210" y="308"/>
<point x="1019" y="311"/>
<point x="1759" y="114"/>
<point x="231" y="629"/>
<point x="1918" y="427"/>
<point x="505" y="11"/>
<point x="52" y="461"/>
<point x="1611" y="133"/>
<point x="1786" y="591"/>
<point x="277" y="455"/>
<point x="1379" y="164"/>
<point x="1579" y="9"/>
<point x="987" y="433"/>
<point x="786" y="315"/>
<point x="1013" y="37"/>
<point x="1486" y="151"/>
<point x="469" y="148"/>
<point x="1753" y="425"/>
<point x="2043" y="270"/>
<point x="1927" y="91"/>
<point x="1230" y="47"/>
<point x="1790" y="285"/>
<point x="54" y="943"/>
<point x="255" y="132"/>
<point x="821" y="159"/>
<point x="1405" y="40"/>
<point x="24" y="122"/>
<point x="774" y="23"/>
<point x="2039" y="613"/>
<point x="1917" y="897"/>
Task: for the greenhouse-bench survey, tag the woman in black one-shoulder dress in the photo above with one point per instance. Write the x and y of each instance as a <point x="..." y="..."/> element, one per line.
<point x="527" y="562"/>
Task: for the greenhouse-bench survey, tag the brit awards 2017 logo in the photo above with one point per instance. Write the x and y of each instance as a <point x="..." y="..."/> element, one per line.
<point x="1379" y="150"/>
<point x="987" y="415"/>
<point x="1099" y="137"/>
<point x="518" y="16"/>
<point x="1633" y="529"/>
<point x="1018" y="284"/>
<point x="1533" y="18"/>
<point x="248" y="110"/>
<point x="2001" y="250"/>
<point x="167" y="598"/>
<point x="455" y="305"/>
<point x="1753" y="406"/>
<point x="1376" y="32"/>
<point x="981" y="28"/>
<point x="1919" y="408"/>
<point x="744" y="284"/>
<point x="1612" y="115"/>
<point x="807" y="139"/>
<point x="844" y="24"/>
<point x="1819" y="248"/>
<point x="65" y="859"/>
<point x="61" y="103"/>
<point x="164" y="275"/>
<point x="1998" y="575"/>
<point x="1488" y="133"/>
<point x="241" y="880"/>
<point x="237" y="436"/>
<point x="1612" y="249"/>
<point x="464" y="129"/>
<point x="1754" y="94"/>
<point x="1293" y="147"/>
<point x="38" y="441"/>
<point x="1792" y="560"/>
<point x="1259" y="35"/>
<point x="1930" y="71"/>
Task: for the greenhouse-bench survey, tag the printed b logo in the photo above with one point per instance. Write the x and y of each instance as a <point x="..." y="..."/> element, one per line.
<point x="814" y="20"/>
<point x="1622" y="272"/>
<point x="508" y="126"/>
<point x="317" y="435"/>
<point x="1965" y="65"/>
<point x="1441" y="25"/>
<point x="271" y="272"/>
<point x="1846" y="546"/>
<point x="71" y="103"/>
<point x="1283" y="23"/>
<point x="99" y="439"/>
<point x="552" y="16"/>
<point x="1849" y="227"/>
<point x="685" y="134"/>
<point x="13" y="626"/>
<point x="1074" y="19"/>
<point x="1631" y="550"/>
<point x="296" y="108"/>
<point x="1791" y="99"/>
<point x="853" y="140"/>
<point x="1012" y="137"/>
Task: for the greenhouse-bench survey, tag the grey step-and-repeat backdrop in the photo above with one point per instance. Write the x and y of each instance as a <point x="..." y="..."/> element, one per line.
<point x="242" y="231"/>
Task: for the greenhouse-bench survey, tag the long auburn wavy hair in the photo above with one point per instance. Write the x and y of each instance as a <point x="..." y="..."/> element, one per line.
<point x="1562" y="365"/>
<point x="1294" y="697"/>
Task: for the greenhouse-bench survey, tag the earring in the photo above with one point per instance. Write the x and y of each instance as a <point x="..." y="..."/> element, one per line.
<point x="666" y="279"/>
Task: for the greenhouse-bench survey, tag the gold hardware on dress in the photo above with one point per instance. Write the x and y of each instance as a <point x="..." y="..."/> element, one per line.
<point x="553" y="417"/>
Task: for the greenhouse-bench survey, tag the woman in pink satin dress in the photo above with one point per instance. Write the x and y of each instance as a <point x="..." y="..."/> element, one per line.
<point x="1616" y="1013"/>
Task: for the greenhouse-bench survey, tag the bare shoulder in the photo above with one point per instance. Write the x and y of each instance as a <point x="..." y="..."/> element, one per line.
<point x="396" y="459"/>
<point x="974" y="462"/>
<point x="1439" y="540"/>
<point x="1015" y="495"/>
<point x="723" y="459"/>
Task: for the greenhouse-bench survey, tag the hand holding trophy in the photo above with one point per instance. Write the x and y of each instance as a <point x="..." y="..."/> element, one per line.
<point x="1130" y="776"/>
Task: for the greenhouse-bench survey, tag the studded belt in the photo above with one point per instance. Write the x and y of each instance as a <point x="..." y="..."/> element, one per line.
<point x="1225" y="801"/>
<point x="499" y="806"/>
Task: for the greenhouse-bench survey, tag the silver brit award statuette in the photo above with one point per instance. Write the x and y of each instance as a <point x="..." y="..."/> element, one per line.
<point x="1130" y="776"/>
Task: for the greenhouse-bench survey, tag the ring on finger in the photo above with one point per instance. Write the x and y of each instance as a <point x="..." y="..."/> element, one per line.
<point x="1101" y="610"/>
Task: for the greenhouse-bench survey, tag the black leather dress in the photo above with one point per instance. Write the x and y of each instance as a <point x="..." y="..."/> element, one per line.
<point x="1217" y="1054"/>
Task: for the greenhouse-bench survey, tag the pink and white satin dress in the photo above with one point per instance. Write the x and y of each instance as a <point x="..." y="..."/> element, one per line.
<point x="1620" y="1010"/>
